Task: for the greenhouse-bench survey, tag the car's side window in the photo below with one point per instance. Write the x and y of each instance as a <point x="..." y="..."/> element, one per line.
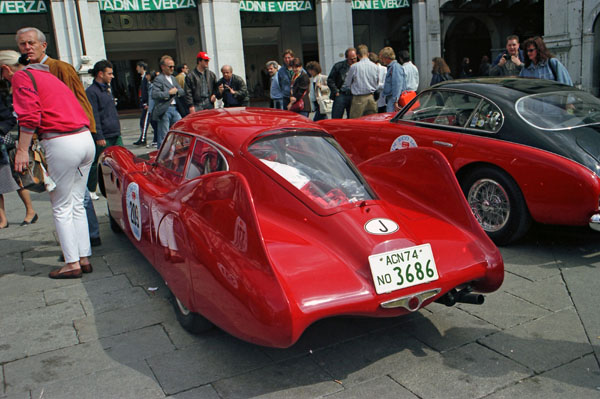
<point x="487" y="118"/>
<point x="443" y="107"/>
<point x="205" y="159"/>
<point x="174" y="152"/>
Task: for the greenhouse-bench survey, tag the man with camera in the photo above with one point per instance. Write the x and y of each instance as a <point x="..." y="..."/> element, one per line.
<point x="510" y="61"/>
<point x="232" y="89"/>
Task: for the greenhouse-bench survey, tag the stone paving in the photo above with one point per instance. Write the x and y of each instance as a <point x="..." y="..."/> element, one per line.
<point x="113" y="334"/>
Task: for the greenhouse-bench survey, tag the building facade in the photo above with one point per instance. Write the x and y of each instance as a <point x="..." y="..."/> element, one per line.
<point x="246" y="34"/>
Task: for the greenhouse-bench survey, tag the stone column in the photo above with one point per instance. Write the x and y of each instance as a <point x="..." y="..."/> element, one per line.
<point x="70" y="39"/>
<point x="563" y="34"/>
<point x="427" y="39"/>
<point x="221" y="33"/>
<point x="334" y="30"/>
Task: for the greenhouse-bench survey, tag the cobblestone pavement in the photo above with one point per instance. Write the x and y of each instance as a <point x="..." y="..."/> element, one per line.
<point x="113" y="334"/>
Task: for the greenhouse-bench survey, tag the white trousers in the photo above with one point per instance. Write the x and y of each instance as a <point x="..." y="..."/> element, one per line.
<point x="69" y="160"/>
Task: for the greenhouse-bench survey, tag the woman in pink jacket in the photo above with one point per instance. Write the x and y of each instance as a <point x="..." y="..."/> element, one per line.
<point x="45" y="105"/>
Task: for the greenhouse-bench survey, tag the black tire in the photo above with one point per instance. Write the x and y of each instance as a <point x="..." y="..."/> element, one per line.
<point x="114" y="226"/>
<point x="190" y="321"/>
<point x="497" y="203"/>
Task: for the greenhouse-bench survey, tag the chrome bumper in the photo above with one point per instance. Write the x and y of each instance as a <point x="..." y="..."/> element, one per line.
<point x="595" y="222"/>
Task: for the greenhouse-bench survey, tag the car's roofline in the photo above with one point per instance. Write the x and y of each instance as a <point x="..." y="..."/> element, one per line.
<point x="525" y="86"/>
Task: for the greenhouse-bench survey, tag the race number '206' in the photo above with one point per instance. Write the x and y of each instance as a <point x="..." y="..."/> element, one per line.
<point x="134" y="215"/>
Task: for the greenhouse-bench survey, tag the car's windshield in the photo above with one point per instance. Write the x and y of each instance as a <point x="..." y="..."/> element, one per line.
<point x="315" y="165"/>
<point x="559" y="110"/>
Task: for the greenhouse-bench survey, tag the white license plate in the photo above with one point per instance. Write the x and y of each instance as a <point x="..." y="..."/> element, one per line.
<point x="401" y="268"/>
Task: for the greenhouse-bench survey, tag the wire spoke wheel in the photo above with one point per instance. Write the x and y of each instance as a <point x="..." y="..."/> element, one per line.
<point x="490" y="204"/>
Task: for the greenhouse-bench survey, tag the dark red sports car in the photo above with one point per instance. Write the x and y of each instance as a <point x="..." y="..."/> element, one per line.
<point x="259" y="223"/>
<point x="521" y="149"/>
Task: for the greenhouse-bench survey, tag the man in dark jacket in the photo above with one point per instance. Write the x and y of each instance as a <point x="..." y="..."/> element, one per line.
<point x="510" y="62"/>
<point x="232" y="89"/>
<point x="108" y="126"/>
<point x="284" y="76"/>
<point x="141" y="68"/>
<point x="200" y="85"/>
<point x="341" y="96"/>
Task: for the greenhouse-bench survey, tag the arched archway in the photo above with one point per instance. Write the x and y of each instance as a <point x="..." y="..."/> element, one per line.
<point x="466" y="37"/>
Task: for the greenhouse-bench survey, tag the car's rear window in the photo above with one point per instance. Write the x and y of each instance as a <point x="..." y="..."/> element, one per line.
<point x="315" y="165"/>
<point x="559" y="110"/>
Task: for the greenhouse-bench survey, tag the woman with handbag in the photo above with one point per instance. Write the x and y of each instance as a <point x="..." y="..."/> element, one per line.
<point x="7" y="181"/>
<point x="299" y="101"/>
<point x="319" y="91"/>
<point x="46" y="106"/>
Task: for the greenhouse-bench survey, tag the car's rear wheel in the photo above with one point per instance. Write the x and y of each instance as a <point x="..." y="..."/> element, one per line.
<point x="192" y="322"/>
<point x="497" y="203"/>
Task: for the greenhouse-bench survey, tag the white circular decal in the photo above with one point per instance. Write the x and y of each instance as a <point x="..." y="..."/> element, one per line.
<point x="381" y="226"/>
<point x="133" y="210"/>
<point x="403" y="142"/>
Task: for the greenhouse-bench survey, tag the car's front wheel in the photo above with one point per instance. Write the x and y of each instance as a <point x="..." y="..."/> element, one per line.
<point x="192" y="322"/>
<point x="497" y="203"/>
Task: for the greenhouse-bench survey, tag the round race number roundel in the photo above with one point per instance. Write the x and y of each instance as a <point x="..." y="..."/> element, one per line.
<point x="381" y="226"/>
<point x="404" y="141"/>
<point x="134" y="215"/>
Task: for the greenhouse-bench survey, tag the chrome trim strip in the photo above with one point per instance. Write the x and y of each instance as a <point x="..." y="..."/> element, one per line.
<point x="403" y="302"/>
<point x="443" y="144"/>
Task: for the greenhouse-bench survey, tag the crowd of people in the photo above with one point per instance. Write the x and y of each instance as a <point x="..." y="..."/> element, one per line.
<point x="75" y="125"/>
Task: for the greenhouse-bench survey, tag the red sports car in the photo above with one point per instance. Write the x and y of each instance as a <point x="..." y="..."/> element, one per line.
<point x="259" y="223"/>
<point x="522" y="149"/>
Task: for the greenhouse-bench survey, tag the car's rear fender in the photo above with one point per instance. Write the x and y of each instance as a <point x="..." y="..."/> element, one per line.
<point x="233" y="284"/>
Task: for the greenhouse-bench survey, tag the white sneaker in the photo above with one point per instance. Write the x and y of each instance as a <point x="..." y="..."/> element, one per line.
<point x="94" y="196"/>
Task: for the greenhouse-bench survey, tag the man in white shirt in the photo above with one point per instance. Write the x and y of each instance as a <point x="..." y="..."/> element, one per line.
<point x="412" y="73"/>
<point x="363" y="80"/>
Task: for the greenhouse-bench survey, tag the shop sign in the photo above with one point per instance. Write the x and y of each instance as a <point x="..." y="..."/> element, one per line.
<point x="23" y="7"/>
<point x="275" y="6"/>
<point x="145" y="5"/>
<point x="379" y="4"/>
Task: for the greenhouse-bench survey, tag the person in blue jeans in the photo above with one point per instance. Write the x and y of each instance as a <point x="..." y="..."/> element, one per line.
<point x="165" y="89"/>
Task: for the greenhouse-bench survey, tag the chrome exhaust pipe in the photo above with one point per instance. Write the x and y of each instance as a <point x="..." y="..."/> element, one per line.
<point x="463" y="296"/>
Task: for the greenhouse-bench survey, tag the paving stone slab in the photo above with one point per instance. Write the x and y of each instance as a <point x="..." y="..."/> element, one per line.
<point x="210" y="360"/>
<point x="369" y="357"/>
<point x="13" y="285"/>
<point x="332" y="331"/>
<point x="204" y="392"/>
<point x="123" y="382"/>
<point x="107" y="301"/>
<point x="585" y="292"/>
<point x="505" y="310"/>
<point x="138" y="344"/>
<point x="471" y="371"/>
<point x="550" y="293"/>
<point x="21" y="303"/>
<point x="449" y="329"/>
<point x="579" y="379"/>
<point x="380" y="388"/>
<point x="122" y="320"/>
<point x="295" y="378"/>
<point x="21" y="395"/>
<point x="62" y="364"/>
<point x="533" y="262"/>
<point x="545" y="343"/>
<point x="11" y="263"/>
<point x="180" y="337"/>
<point x="38" y="330"/>
<point x="89" y="289"/>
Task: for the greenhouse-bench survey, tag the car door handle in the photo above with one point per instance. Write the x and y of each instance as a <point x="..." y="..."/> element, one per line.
<point x="443" y="144"/>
